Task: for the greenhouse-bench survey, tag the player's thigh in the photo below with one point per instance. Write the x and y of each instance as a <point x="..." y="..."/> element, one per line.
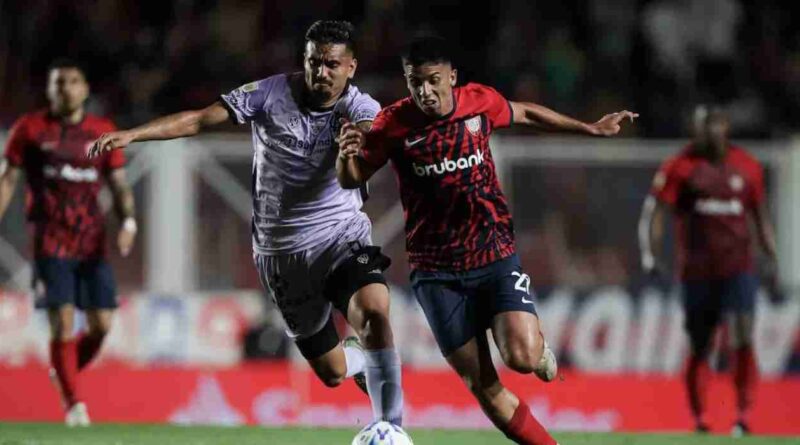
<point x="740" y="295"/>
<point x="55" y="282"/>
<point x="449" y="309"/>
<point x="297" y="292"/>
<point x="352" y="265"/>
<point x="97" y="286"/>
<point x="514" y="321"/>
<point x="518" y="338"/>
<point x="702" y="302"/>
<point x="355" y="283"/>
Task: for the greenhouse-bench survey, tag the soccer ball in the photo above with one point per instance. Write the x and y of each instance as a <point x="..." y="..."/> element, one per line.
<point x="382" y="433"/>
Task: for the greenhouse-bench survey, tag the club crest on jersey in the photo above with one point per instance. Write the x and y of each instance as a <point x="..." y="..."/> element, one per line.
<point x="294" y="121"/>
<point x="473" y="124"/>
<point x="736" y="182"/>
<point x="252" y="86"/>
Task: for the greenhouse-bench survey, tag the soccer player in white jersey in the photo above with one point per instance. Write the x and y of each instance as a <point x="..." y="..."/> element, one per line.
<point x="311" y="241"/>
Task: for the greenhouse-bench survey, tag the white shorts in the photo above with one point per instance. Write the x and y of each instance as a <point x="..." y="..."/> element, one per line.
<point x="306" y="285"/>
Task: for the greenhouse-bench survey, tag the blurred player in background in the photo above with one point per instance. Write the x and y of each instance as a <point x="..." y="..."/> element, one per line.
<point x="67" y="222"/>
<point x="459" y="233"/>
<point x="311" y="240"/>
<point x="714" y="189"/>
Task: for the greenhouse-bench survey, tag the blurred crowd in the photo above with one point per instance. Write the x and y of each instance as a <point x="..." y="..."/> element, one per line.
<point x="583" y="57"/>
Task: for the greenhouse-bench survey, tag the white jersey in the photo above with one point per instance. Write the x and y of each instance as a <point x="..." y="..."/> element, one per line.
<point x="297" y="201"/>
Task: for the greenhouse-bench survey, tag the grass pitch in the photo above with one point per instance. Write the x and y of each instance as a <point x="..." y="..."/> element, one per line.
<point x="126" y="434"/>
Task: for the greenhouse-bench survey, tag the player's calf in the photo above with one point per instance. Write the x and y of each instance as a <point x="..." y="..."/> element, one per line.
<point x="368" y="314"/>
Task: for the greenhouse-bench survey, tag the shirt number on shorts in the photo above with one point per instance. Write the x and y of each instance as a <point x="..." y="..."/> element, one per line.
<point x="523" y="282"/>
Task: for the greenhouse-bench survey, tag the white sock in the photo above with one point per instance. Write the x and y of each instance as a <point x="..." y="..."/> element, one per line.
<point x="384" y="384"/>
<point x="355" y="359"/>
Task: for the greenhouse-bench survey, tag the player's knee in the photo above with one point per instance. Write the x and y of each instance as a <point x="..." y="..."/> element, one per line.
<point x="331" y="377"/>
<point x="62" y="331"/>
<point x="98" y="331"/>
<point x="332" y="381"/>
<point x="522" y="357"/>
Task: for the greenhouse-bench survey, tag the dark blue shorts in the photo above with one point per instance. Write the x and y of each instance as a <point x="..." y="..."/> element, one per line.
<point x="705" y="301"/>
<point x="86" y="284"/>
<point x="459" y="304"/>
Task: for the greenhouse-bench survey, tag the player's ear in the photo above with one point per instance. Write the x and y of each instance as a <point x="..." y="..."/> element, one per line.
<point x="453" y="77"/>
<point x="353" y="66"/>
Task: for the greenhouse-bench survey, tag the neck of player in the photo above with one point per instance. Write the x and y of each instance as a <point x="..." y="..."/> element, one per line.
<point x="69" y="117"/>
<point x="320" y="101"/>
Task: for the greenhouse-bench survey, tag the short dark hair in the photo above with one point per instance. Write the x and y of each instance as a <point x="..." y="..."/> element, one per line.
<point x="332" y="32"/>
<point x="427" y="48"/>
<point x="64" y="62"/>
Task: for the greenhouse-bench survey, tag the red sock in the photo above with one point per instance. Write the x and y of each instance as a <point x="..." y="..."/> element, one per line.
<point x="64" y="358"/>
<point x="88" y="346"/>
<point x="745" y="377"/>
<point x="524" y="429"/>
<point x="698" y="375"/>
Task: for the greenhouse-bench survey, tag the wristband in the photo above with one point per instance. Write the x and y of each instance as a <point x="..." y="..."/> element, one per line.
<point x="129" y="224"/>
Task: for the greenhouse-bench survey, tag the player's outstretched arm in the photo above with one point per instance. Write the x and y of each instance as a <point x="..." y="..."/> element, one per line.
<point x="545" y="119"/>
<point x="651" y="234"/>
<point x="351" y="169"/>
<point x="178" y="125"/>
<point x="8" y="183"/>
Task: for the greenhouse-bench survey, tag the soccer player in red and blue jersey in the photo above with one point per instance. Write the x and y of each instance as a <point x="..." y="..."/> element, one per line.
<point x="714" y="189"/>
<point x="67" y="223"/>
<point x="459" y="234"/>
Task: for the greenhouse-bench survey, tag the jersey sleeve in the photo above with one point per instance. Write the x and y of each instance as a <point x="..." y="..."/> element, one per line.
<point x="377" y="149"/>
<point x="666" y="183"/>
<point x="362" y="108"/>
<point x="245" y="102"/>
<point x="17" y="141"/>
<point x="757" y="193"/>
<point x="497" y="107"/>
<point x="114" y="159"/>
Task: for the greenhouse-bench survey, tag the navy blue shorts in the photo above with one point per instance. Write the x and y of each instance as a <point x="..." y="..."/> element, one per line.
<point x="705" y="301"/>
<point x="459" y="304"/>
<point x="86" y="284"/>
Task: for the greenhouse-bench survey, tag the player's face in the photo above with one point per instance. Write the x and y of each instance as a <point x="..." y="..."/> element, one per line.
<point x="431" y="87"/>
<point x="717" y="129"/>
<point x="67" y="89"/>
<point x="328" y="67"/>
<point x="699" y="126"/>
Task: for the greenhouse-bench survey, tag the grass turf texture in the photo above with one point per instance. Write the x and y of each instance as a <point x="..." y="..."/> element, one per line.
<point x="121" y="434"/>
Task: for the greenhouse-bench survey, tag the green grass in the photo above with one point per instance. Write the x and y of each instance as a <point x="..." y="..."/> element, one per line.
<point x="118" y="434"/>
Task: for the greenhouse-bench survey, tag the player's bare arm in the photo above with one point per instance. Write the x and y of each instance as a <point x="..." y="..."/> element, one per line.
<point x="351" y="169"/>
<point x="8" y="183"/>
<point x="545" y="119"/>
<point x="651" y="234"/>
<point x="125" y="208"/>
<point x="178" y="125"/>
<point x="766" y="238"/>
